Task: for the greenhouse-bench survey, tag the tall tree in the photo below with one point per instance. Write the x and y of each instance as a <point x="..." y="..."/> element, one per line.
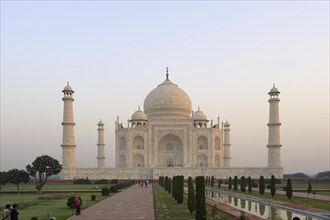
<point x="212" y="181"/>
<point x="43" y="167"/>
<point x="200" y="213"/>
<point x="180" y="181"/>
<point x="289" y="188"/>
<point x="229" y="183"/>
<point x="16" y="177"/>
<point x="169" y="185"/>
<point x="235" y="183"/>
<point x="243" y="184"/>
<point x="309" y="189"/>
<point x="261" y="185"/>
<point x="249" y="184"/>
<point x="219" y="183"/>
<point x="174" y="187"/>
<point x="191" y="196"/>
<point x="272" y="186"/>
<point x="166" y="183"/>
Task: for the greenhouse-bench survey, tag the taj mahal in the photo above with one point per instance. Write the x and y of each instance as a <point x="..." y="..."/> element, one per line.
<point x="167" y="138"/>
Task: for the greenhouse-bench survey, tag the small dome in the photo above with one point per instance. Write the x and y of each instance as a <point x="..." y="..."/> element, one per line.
<point x="227" y="124"/>
<point x="167" y="99"/>
<point x="199" y="116"/>
<point x="274" y="90"/>
<point x="67" y="88"/>
<point x="139" y="116"/>
<point x="100" y="122"/>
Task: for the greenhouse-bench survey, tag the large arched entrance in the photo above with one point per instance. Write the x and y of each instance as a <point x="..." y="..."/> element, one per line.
<point x="170" y="151"/>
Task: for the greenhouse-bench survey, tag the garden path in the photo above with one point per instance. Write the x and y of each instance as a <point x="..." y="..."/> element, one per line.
<point x="133" y="203"/>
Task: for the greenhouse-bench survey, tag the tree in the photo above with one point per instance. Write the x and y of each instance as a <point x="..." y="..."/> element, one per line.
<point x="191" y="196"/>
<point x="309" y="189"/>
<point x="174" y="187"/>
<point x="166" y="183"/>
<point x="219" y="183"/>
<point x="235" y="183"/>
<point x="243" y="184"/>
<point x="325" y="174"/>
<point x="261" y="185"/>
<point x="200" y="213"/>
<point x="16" y="177"/>
<point x="229" y="183"/>
<point x="212" y="181"/>
<point x="3" y="178"/>
<point x="272" y="186"/>
<point x="249" y="184"/>
<point x="180" y="181"/>
<point x="169" y="185"/>
<point x="289" y="188"/>
<point x="43" y="167"/>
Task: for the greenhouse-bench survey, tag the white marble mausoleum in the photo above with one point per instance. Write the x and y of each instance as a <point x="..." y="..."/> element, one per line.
<point x="167" y="138"/>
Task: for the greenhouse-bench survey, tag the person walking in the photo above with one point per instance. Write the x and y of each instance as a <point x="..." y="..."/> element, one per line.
<point x="14" y="213"/>
<point x="77" y="204"/>
<point x="6" y="213"/>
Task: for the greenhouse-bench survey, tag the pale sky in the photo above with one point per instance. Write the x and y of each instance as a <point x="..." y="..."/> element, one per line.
<point x="225" y="55"/>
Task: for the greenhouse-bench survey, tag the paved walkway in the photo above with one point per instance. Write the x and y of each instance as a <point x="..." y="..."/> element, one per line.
<point x="133" y="203"/>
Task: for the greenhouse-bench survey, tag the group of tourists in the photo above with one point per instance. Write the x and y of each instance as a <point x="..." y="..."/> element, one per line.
<point x="10" y="212"/>
<point x="145" y="183"/>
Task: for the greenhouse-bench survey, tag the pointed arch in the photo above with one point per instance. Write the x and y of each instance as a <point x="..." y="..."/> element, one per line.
<point x="138" y="160"/>
<point x="138" y="142"/>
<point x="170" y="151"/>
<point x="122" y="161"/>
<point x="217" y="143"/>
<point x="122" y="143"/>
<point x="202" y="143"/>
<point x="202" y="160"/>
<point x="217" y="161"/>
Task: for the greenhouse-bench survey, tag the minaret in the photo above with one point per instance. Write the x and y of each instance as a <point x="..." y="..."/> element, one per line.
<point x="226" y="146"/>
<point x="68" y="144"/>
<point x="274" y="145"/>
<point x="100" y="145"/>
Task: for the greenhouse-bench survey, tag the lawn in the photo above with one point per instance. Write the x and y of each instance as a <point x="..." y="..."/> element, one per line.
<point x="167" y="208"/>
<point x="31" y="204"/>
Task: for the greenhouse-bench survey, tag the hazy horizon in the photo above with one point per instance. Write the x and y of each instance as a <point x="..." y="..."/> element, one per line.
<point x="224" y="55"/>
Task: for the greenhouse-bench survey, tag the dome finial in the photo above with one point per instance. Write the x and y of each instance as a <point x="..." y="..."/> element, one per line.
<point x="167" y="73"/>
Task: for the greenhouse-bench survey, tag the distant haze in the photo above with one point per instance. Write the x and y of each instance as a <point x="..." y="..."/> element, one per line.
<point x="224" y="55"/>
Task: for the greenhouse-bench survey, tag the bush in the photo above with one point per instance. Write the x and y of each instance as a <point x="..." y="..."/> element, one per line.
<point x="243" y="184"/>
<point x="105" y="191"/>
<point x="273" y="186"/>
<point x="70" y="202"/>
<point x="51" y="197"/>
<point x="82" y="181"/>
<point x="93" y="197"/>
<point x="114" y="181"/>
<point x="102" y="181"/>
<point x="34" y="218"/>
<point x="114" y="189"/>
<point x="289" y="189"/>
<point x="261" y="185"/>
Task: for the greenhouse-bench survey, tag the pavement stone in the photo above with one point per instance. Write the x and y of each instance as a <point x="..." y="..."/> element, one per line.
<point x="133" y="203"/>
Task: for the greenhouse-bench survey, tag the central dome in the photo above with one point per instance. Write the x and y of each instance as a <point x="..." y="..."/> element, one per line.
<point x="167" y="99"/>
